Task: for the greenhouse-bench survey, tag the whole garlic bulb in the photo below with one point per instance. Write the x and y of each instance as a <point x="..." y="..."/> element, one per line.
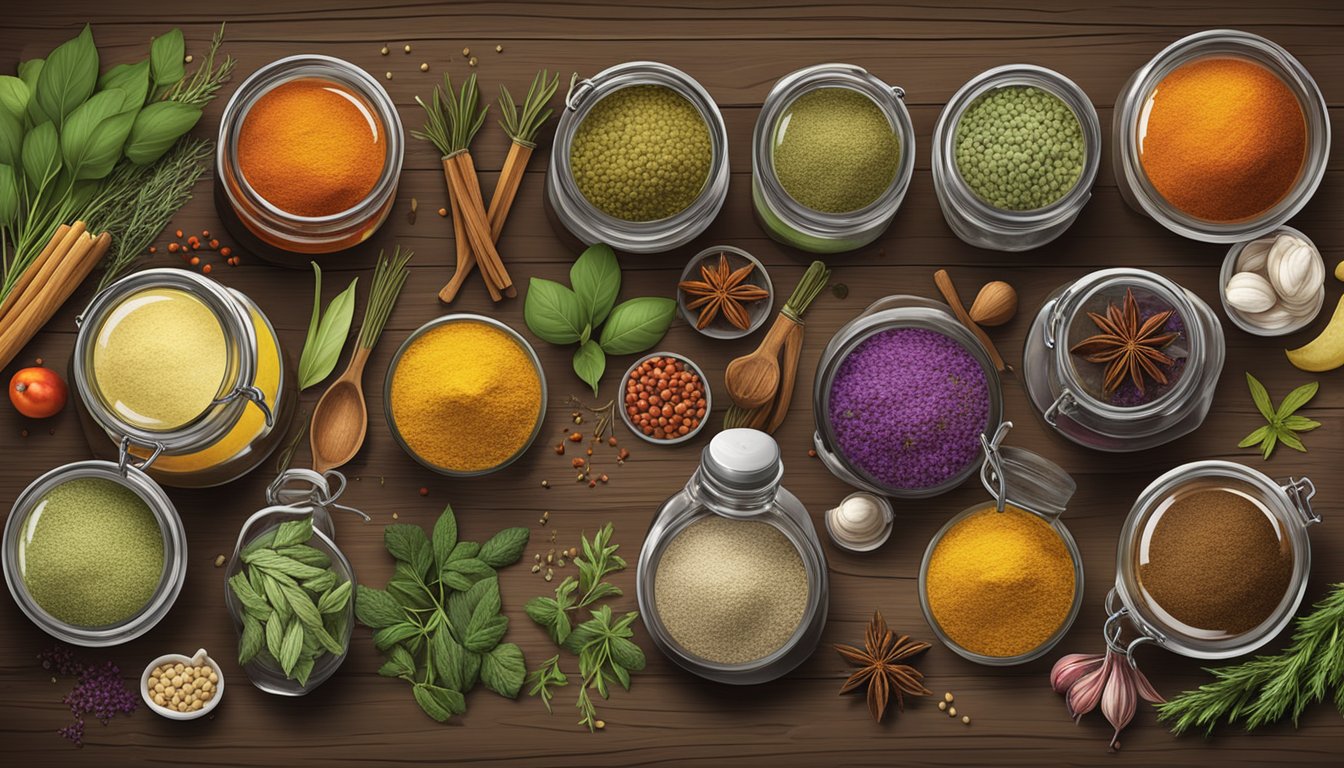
<point x="1250" y="293"/>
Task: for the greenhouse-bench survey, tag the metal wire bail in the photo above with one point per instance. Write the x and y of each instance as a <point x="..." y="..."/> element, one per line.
<point x="993" y="465"/>
<point x="253" y="393"/>
<point x="1113" y="629"/>
<point x="124" y="456"/>
<point x="304" y="488"/>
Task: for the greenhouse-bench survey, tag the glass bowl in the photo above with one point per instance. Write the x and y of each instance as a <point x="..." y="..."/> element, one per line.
<point x="693" y="368"/>
<point x="1230" y="269"/>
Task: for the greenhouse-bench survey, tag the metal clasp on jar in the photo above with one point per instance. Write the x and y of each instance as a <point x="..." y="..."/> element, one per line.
<point x="578" y="91"/>
<point x="1300" y="493"/>
<point x="1113" y="630"/>
<point x="124" y="455"/>
<point x="253" y="393"/>
<point x="1062" y="406"/>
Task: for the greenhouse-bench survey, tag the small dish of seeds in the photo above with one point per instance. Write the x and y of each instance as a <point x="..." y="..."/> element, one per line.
<point x="182" y="687"/>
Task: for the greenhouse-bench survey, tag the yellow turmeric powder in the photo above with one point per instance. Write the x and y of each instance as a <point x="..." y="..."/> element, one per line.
<point x="465" y="396"/>
<point x="312" y="147"/>
<point x="1000" y="583"/>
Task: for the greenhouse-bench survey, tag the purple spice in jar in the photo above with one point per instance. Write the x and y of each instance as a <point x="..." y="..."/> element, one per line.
<point x="908" y="406"/>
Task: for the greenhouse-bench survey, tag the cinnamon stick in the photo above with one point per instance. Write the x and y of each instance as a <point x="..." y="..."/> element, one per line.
<point x="66" y="267"/>
<point x="27" y="277"/>
<point x="462" y="176"/>
<point x="506" y="187"/>
<point x="788" y="366"/>
<point x="466" y="259"/>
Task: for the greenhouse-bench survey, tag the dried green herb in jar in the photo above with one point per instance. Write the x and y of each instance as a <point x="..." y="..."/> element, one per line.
<point x="835" y="151"/>
<point x="1019" y="148"/>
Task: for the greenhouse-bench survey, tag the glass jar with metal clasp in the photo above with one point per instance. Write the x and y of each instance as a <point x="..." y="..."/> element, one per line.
<point x="294" y="495"/>
<point x="130" y="365"/>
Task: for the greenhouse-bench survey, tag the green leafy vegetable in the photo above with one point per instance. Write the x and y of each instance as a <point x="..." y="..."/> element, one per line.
<point x="166" y="54"/>
<point x="439" y="619"/>
<point x="596" y="277"/>
<point x="327" y="332"/>
<point x="157" y="128"/>
<point x="1283" y="425"/>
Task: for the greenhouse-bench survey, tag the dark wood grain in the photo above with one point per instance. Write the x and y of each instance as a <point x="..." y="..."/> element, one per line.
<point x="671" y="718"/>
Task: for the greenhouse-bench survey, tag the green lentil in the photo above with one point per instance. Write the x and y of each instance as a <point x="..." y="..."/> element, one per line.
<point x="1019" y="148"/>
<point x="835" y="151"/>
<point x="92" y="553"/>
<point x="641" y="154"/>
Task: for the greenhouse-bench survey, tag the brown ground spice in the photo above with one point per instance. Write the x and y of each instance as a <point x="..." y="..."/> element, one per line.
<point x="1216" y="562"/>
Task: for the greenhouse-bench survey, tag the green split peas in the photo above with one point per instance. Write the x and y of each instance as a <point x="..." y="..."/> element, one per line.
<point x="641" y="154"/>
<point x="92" y="553"/>
<point x="835" y="151"/>
<point x="1019" y="148"/>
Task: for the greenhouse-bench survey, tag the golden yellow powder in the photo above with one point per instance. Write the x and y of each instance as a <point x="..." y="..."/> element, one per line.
<point x="465" y="396"/>
<point x="159" y="359"/>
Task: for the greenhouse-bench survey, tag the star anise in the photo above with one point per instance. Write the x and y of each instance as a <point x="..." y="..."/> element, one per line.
<point x="879" y="670"/>
<point x="1127" y="346"/>
<point x="722" y="290"/>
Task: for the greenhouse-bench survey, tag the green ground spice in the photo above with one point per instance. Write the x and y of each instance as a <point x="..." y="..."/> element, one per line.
<point x="1019" y="148"/>
<point x="92" y="553"/>
<point x="641" y="154"/>
<point x="835" y="151"/>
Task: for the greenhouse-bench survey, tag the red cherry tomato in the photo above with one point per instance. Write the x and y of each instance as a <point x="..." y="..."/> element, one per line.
<point x="37" y="392"/>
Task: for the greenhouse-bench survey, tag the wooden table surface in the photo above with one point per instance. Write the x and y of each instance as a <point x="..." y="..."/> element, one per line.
<point x="670" y="717"/>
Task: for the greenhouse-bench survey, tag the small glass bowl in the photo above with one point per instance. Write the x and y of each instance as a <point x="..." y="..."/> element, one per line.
<point x="693" y="368"/>
<point x="1230" y="269"/>
<point x="200" y="657"/>
<point x="758" y="311"/>
<point x="463" y="317"/>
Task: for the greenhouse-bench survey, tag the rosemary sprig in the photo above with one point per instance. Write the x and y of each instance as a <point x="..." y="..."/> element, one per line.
<point x="388" y="277"/>
<point x="1269" y="688"/>
<point x="546" y="677"/>
<point x="206" y="81"/>
<point x="522" y="126"/>
<point x="452" y="120"/>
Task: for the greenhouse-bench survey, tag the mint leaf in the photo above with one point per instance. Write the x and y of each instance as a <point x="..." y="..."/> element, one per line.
<point x="503" y="670"/>
<point x="444" y="539"/>
<point x="376" y="609"/>
<point x="504" y="548"/>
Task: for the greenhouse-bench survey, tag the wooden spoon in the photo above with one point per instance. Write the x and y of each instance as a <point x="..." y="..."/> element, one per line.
<point x="752" y="380"/>
<point x="341" y="418"/>
<point x="949" y="291"/>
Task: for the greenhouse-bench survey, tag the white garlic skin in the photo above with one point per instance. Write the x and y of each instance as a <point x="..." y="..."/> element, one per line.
<point x="1294" y="268"/>
<point x="1249" y="292"/>
<point x="1253" y="257"/>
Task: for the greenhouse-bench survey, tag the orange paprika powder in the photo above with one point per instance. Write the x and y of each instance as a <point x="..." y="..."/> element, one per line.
<point x="1224" y="139"/>
<point x="312" y="147"/>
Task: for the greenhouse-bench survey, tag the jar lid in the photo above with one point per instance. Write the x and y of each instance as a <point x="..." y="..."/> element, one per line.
<point x="1017" y="477"/>
<point x="743" y="460"/>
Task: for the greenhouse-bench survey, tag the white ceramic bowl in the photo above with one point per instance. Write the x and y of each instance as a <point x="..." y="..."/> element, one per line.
<point x="176" y="658"/>
<point x="1237" y="317"/>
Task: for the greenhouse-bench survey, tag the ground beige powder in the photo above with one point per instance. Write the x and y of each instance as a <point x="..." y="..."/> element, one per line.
<point x="731" y="591"/>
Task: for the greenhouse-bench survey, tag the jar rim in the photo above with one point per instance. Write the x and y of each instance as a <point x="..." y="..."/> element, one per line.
<point x="174" y="552"/>
<point x="1228" y="43"/>
<point x="1008" y="76"/>
<point x="809" y="221"/>
<point x="1273" y="498"/>
<point x="1230" y="266"/>
<point x="240" y="340"/>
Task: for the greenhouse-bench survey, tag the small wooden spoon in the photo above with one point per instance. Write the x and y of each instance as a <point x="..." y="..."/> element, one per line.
<point x="949" y="291"/>
<point x="752" y="380"/>
<point x="341" y="418"/>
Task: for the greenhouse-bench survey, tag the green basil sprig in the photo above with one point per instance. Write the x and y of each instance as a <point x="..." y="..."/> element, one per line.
<point x="562" y="315"/>
<point x="327" y="332"/>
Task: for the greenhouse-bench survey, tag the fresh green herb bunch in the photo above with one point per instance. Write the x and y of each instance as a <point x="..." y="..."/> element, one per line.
<point x="522" y="125"/>
<point x="295" y="606"/>
<point x="604" y="645"/>
<point x="1283" y="424"/>
<point x="563" y="315"/>
<point x="439" y="620"/>
<point x="1270" y="688"/>
<point x="75" y="144"/>
<point x="452" y="119"/>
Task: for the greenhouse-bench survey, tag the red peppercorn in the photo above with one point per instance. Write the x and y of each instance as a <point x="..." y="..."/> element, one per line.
<point x="174" y="247"/>
<point x="179" y="233"/>
<point x="226" y="251"/>
<point x="195" y="260"/>
<point x="424" y="491"/>
<point x="206" y="269"/>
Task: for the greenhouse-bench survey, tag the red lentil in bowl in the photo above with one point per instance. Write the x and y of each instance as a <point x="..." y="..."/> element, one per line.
<point x="665" y="399"/>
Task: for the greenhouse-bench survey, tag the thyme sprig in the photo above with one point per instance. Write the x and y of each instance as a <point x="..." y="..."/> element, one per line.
<point x="451" y="119"/>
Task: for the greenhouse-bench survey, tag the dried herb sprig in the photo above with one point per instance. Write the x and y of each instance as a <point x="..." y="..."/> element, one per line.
<point x="452" y="119"/>
<point x="523" y="124"/>
<point x="1283" y="424"/>
<point x="207" y="80"/>
<point x="389" y="275"/>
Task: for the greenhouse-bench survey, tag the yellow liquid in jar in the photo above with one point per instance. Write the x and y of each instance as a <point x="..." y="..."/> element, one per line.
<point x="160" y="358"/>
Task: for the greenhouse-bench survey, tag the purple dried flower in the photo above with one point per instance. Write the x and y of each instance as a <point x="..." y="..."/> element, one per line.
<point x="99" y="690"/>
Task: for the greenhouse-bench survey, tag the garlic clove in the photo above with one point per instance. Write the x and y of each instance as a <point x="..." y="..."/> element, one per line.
<point x="1249" y="292"/>
<point x="1289" y="266"/>
<point x="1273" y="319"/>
<point x="1252" y="257"/>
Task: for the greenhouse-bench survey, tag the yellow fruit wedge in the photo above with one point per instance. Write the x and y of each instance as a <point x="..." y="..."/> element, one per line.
<point x="1325" y="352"/>
<point x="1339" y="271"/>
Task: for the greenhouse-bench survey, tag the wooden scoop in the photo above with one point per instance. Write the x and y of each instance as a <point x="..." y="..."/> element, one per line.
<point x="341" y="418"/>
<point x="753" y="380"/>
<point x="949" y="291"/>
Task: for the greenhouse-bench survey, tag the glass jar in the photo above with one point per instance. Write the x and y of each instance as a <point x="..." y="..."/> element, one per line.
<point x="976" y="221"/>
<point x="251" y="411"/>
<point x="1130" y="119"/>
<point x="293" y="495"/>
<point x="900" y="312"/>
<point x="19" y="530"/>
<point x="1029" y="483"/>
<point x="585" y="221"/>
<point x="738" y="480"/>
<point x="1287" y="505"/>
<point x="792" y="223"/>
<point x="278" y="235"/>
<point x="1068" y="392"/>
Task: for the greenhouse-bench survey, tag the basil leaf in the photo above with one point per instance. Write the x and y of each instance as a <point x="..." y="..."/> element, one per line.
<point x="399" y="664"/>
<point x="251" y="641"/>
<point x="14" y="95"/>
<point x="410" y="594"/>
<point x="485" y="634"/>
<point x="291" y="647"/>
<point x="404" y="542"/>
<point x="465" y="550"/>
<point x="1297" y="398"/>
<point x="69" y="76"/>
<point x="375" y="608"/>
<point x="41" y="157"/>
<point x="313" y="322"/>
<point x="9" y="195"/>
<point x="166" y="58"/>
<point x="327" y="338"/>
<point x="505" y="548"/>
<point x="11" y="139"/>
<point x="590" y="362"/>
<point x="596" y="278"/>
<point x="469" y="566"/>
<point x="132" y="79"/>
<point x="1261" y="397"/>
<point x="335" y="600"/>
<point x="553" y="312"/>
<point x="439" y="703"/>
<point x="29" y="72"/>
<point x="93" y="135"/>
<point x="444" y="539"/>
<point x="157" y="127"/>
<point x="636" y="325"/>
<point x="503" y="670"/>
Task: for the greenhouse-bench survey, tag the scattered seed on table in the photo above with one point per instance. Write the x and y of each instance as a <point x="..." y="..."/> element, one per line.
<point x="966" y="719"/>
<point x="189" y="58"/>
<point x="388" y="75"/>
<point x="499" y="49"/>
<point x="942" y="706"/>
<point x="466" y="52"/>
<point x="471" y="62"/>
<point x="219" y="561"/>
<point x="424" y="66"/>
<point x="424" y="491"/>
<point x="407" y="48"/>
<point x="384" y="51"/>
